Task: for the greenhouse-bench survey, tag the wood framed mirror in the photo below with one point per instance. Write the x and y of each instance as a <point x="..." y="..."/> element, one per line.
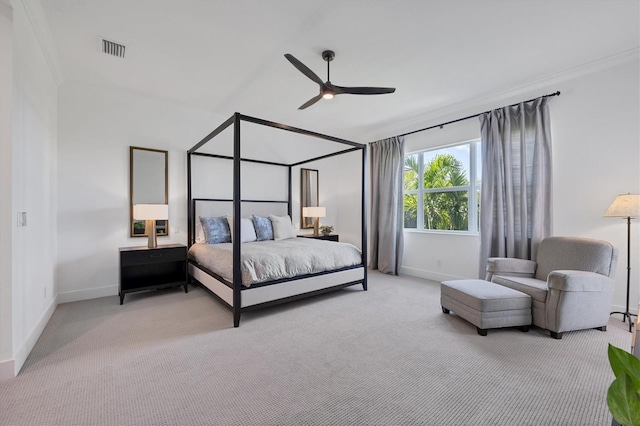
<point x="308" y="194"/>
<point x="148" y="184"/>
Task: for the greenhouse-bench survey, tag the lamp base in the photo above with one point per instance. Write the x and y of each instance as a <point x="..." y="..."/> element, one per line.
<point x="626" y="315"/>
<point x="316" y="222"/>
<point x="151" y="231"/>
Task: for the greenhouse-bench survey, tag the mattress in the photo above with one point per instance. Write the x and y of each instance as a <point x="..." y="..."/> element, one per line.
<point x="272" y="260"/>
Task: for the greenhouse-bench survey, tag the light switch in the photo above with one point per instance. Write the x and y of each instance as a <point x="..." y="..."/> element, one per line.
<point x="22" y="219"/>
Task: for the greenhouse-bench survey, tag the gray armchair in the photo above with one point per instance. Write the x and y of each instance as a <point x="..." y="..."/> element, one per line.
<point x="570" y="283"/>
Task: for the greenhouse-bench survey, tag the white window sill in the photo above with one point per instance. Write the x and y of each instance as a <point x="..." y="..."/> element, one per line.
<point x="441" y="232"/>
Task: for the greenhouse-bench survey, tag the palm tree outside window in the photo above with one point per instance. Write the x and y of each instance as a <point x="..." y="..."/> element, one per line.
<point x="441" y="188"/>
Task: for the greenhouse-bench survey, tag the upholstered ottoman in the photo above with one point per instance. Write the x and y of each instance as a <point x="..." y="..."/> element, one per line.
<point x="486" y="304"/>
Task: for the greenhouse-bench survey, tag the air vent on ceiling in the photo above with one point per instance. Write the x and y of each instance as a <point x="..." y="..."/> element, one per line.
<point x="112" y="48"/>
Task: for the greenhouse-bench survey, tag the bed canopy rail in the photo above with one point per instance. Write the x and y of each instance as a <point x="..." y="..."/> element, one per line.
<point x="234" y="123"/>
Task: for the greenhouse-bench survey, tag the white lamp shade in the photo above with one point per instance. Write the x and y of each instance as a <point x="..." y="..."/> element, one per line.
<point x="314" y="212"/>
<point x="625" y="205"/>
<point x="150" y="212"/>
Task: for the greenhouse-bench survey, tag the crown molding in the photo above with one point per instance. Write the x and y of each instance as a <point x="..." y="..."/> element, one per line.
<point x="432" y="116"/>
<point x="38" y="21"/>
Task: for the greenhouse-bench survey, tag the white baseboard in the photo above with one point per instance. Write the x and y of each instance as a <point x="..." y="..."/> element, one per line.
<point x="7" y="369"/>
<point x="91" y="293"/>
<point x="20" y="356"/>
<point x="428" y="275"/>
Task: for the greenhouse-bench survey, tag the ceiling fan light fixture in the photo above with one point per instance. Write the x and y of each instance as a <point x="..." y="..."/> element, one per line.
<point x="327" y="95"/>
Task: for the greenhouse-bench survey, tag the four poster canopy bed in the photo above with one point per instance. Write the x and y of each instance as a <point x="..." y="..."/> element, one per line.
<point x="268" y="264"/>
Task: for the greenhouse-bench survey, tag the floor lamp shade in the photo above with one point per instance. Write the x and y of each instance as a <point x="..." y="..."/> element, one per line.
<point x="315" y="213"/>
<point x="150" y="213"/>
<point x="628" y="207"/>
<point x="625" y="205"/>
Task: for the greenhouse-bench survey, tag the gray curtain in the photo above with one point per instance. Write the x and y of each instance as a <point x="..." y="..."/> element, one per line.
<point x="516" y="194"/>
<point x="387" y="240"/>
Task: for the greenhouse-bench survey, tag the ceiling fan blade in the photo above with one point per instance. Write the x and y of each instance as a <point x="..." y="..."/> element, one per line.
<point x="364" y="90"/>
<point x="311" y="101"/>
<point x="303" y="69"/>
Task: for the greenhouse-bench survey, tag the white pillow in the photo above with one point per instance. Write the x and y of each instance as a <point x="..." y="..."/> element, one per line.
<point x="200" y="238"/>
<point x="247" y="231"/>
<point x="282" y="227"/>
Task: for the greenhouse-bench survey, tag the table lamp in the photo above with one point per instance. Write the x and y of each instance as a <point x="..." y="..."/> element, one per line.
<point x="315" y="213"/>
<point x="150" y="213"/>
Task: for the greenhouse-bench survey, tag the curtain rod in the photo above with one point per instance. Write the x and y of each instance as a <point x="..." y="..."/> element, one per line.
<point x="475" y="115"/>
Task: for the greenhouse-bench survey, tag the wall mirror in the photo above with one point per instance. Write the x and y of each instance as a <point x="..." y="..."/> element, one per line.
<point x="148" y="184"/>
<point x="308" y="194"/>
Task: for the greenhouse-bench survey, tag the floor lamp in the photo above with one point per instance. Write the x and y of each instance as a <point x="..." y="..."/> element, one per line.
<point x="626" y="206"/>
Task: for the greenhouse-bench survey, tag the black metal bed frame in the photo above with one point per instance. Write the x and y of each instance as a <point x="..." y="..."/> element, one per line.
<point x="236" y="285"/>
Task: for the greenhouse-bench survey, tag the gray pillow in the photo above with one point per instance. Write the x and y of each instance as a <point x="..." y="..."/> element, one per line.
<point x="216" y="229"/>
<point x="264" y="229"/>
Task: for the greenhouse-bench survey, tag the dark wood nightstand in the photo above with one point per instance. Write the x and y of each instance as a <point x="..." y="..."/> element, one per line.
<point x="328" y="237"/>
<point x="143" y="268"/>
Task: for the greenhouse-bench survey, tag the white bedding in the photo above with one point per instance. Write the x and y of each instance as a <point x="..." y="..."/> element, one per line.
<point x="271" y="260"/>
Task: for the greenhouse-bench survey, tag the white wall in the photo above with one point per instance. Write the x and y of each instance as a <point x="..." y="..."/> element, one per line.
<point x="6" y="208"/>
<point x="96" y="129"/>
<point x="340" y="188"/>
<point x="33" y="188"/>
<point x="348" y="189"/>
<point x="596" y="156"/>
<point x="213" y="178"/>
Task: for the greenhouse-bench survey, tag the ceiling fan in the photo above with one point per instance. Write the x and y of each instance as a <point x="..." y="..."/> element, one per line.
<point x="328" y="90"/>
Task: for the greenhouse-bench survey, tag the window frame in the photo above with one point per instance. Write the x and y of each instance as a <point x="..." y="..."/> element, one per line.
<point x="472" y="189"/>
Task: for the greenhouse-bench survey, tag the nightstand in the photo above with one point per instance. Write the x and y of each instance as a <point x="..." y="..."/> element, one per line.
<point x="143" y="268"/>
<point x="327" y="237"/>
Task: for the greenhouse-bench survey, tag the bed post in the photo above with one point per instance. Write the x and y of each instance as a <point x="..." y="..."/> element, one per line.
<point x="364" y="216"/>
<point x="190" y="212"/>
<point x="235" y="232"/>
<point x="290" y="200"/>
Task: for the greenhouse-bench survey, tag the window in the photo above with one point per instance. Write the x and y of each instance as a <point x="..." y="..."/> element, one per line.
<point x="447" y="196"/>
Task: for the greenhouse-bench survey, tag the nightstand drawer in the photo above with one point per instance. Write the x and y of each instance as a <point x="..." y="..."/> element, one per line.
<point x="143" y="257"/>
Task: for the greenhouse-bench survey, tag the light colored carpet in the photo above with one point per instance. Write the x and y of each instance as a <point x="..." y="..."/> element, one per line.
<point x="388" y="356"/>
